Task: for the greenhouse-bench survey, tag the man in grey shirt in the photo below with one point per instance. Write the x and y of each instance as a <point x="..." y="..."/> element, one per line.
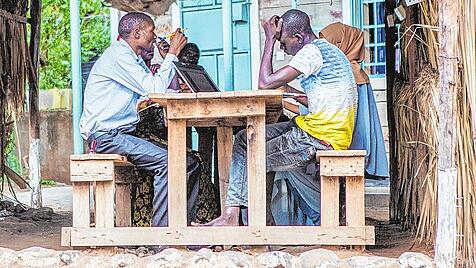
<point x="116" y="83"/>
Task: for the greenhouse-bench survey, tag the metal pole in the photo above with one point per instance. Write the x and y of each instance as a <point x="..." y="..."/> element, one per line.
<point x="227" y="17"/>
<point x="76" y="74"/>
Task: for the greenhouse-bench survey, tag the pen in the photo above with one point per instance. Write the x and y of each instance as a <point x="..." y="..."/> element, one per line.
<point x="182" y="30"/>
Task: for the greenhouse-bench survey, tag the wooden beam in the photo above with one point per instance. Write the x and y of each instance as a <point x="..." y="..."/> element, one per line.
<point x="342" y="166"/>
<point x="81" y="204"/>
<point x="256" y="166"/>
<point x="92" y="170"/>
<point x="17" y="179"/>
<point x="354" y="201"/>
<point x="177" y="177"/>
<point x="329" y="201"/>
<point x="445" y="244"/>
<point x="270" y="235"/>
<point x="224" y="147"/>
<point x="123" y="205"/>
<point x="344" y="153"/>
<point x="181" y="109"/>
<point x="66" y="236"/>
<point x="104" y="204"/>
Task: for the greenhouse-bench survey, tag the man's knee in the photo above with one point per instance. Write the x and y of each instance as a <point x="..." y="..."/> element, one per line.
<point x="240" y="137"/>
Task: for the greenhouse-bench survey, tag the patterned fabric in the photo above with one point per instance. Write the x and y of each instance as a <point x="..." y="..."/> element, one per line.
<point x="329" y="85"/>
<point x="206" y="205"/>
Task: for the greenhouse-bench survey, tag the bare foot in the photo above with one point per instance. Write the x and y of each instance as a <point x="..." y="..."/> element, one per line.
<point x="229" y="218"/>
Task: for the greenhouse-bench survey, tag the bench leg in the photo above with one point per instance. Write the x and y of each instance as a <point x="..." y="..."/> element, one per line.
<point x="123" y="205"/>
<point x="354" y="201"/>
<point x="329" y="201"/>
<point x="81" y="204"/>
<point x="354" y="204"/>
<point x="104" y="204"/>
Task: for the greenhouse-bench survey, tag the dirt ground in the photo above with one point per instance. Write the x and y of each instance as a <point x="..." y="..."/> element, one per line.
<point x="391" y="241"/>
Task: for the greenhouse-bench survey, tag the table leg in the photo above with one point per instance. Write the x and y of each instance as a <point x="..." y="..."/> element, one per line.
<point x="225" y="148"/>
<point x="177" y="173"/>
<point x="256" y="134"/>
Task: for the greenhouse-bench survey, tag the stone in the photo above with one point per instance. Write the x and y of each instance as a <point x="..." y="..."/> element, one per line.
<point x="167" y="258"/>
<point x="5" y="213"/>
<point x="202" y="258"/>
<point x="124" y="260"/>
<point x="7" y="257"/>
<point x="7" y="205"/>
<point x="276" y="259"/>
<point x="42" y="214"/>
<point x="372" y="261"/>
<point x="233" y="259"/>
<point x="38" y="257"/>
<point x="415" y="260"/>
<point x="19" y="208"/>
<point x="318" y="258"/>
<point x="96" y="261"/>
<point x="70" y="257"/>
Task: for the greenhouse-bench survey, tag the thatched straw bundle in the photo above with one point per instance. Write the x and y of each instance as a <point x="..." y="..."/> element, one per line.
<point x="466" y="132"/>
<point x="416" y="110"/>
<point x="417" y="122"/>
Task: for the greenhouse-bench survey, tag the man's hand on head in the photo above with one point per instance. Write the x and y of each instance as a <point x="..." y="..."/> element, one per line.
<point x="272" y="28"/>
<point x="177" y="42"/>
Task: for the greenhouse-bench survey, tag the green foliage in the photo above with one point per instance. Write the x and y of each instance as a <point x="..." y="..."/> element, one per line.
<point x="11" y="155"/>
<point x="55" y="45"/>
<point x="48" y="182"/>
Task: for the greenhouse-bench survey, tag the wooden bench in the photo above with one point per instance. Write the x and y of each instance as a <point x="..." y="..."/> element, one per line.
<point x="112" y="205"/>
<point x="348" y="164"/>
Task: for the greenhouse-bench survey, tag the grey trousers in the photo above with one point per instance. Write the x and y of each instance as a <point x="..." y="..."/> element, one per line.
<point x="151" y="157"/>
<point x="288" y="147"/>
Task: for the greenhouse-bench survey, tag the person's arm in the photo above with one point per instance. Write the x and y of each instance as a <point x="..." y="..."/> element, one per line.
<point x="267" y="78"/>
<point x="133" y="76"/>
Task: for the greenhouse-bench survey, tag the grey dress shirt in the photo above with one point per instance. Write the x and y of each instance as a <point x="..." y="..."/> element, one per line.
<point x="117" y="81"/>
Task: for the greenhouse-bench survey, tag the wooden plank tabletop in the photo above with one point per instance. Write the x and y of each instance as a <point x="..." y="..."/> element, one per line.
<point x="272" y="97"/>
<point x="273" y="100"/>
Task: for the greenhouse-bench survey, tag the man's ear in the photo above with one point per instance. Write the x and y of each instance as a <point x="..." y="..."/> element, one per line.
<point x="299" y="38"/>
<point x="137" y="33"/>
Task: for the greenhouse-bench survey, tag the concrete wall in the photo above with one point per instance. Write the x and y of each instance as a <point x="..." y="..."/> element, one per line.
<point x="56" y="143"/>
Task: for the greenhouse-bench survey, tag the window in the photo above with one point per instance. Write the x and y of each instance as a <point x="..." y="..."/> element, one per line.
<point x="372" y="23"/>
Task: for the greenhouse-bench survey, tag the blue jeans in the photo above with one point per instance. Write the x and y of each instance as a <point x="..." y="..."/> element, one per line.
<point x="288" y="147"/>
<point x="147" y="156"/>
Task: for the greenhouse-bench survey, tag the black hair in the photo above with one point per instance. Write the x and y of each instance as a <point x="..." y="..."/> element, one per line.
<point x="131" y="21"/>
<point x="296" y="22"/>
<point x="189" y="54"/>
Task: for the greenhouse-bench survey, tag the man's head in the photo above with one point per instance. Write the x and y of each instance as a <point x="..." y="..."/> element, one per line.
<point x="190" y="54"/>
<point x="296" y="31"/>
<point x="137" y="29"/>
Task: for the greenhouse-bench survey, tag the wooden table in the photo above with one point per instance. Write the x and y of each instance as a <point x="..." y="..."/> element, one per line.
<point x="222" y="110"/>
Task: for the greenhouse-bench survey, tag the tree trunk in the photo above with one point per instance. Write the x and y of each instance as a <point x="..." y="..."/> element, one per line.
<point x="390" y="39"/>
<point x="445" y="249"/>
<point x="34" y="156"/>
